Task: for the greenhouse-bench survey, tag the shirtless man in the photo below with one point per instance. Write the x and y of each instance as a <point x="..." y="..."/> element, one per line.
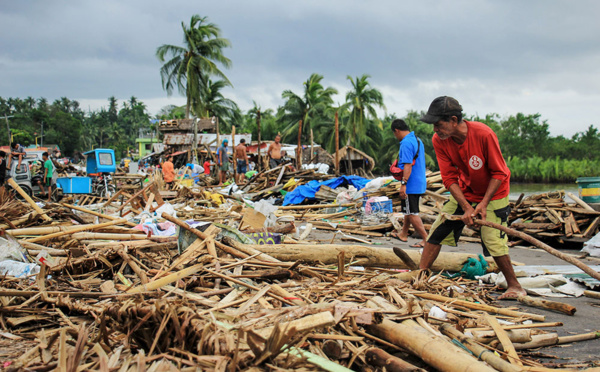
<point x="274" y="152"/>
<point x="241" y="157"/>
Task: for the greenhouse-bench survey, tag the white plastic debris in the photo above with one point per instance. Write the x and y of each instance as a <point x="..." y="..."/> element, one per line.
<point x="438" y="313"/>
<point x="10" y="249"/>
<point x="592" y="246"/>
<point x="18" y="269"/>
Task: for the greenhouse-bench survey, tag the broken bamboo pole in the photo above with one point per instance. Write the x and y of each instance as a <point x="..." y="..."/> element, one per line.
<point x="227" y="249"/>
<point x="547" y="304"/>
<point x="42" y="230"/>
<point x="93" y="213"/>
<point x="482" y="353"/>
<point x="476" y="306"/>
<point x="379" y="358"/>
<point x="81" y="228"/>
<point x="21" y="192"/>
<point x="107" y="236"/>
<point x="433" y="350"/>
<point x="507" y="344"/>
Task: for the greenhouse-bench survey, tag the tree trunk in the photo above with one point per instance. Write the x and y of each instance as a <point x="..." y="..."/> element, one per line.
<point x="259" y="161"/>
<point x="433" y="350"/>
<point x="299" y="149"/>
<point x="366" y="256"/>
<point x="337" y="144"/>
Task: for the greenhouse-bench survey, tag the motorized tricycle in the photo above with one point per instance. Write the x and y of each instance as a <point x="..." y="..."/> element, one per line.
<point x="100" y="163"/>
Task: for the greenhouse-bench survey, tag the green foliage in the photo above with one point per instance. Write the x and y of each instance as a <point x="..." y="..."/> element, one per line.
<point x="189" y="68"/>
<point x="311" y="107"/>
<point x="362" y="101"/>
<point x="537" y="169"/>
<point x="65" y="124"/>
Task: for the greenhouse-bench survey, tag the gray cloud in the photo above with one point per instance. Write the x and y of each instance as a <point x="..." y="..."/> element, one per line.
<point x="494" y="56"/>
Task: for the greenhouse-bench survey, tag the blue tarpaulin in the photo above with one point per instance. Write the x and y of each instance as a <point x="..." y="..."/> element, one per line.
<point x="308" y="191"/>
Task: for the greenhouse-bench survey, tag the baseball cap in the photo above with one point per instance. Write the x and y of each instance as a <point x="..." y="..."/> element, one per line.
<point x="440" y="107"/>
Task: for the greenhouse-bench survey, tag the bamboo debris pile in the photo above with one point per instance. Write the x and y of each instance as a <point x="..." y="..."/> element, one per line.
<point x="133" y="302"/>
<point x="549" y="217"/>
<point x="118" y="298"/>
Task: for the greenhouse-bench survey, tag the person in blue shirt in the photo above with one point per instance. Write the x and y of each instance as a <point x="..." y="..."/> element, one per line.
<point x="411" y="159"/>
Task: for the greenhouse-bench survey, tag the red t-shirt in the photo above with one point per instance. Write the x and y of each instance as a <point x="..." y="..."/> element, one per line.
<point x="474" y="163"/>
<point x="206" y="167"/>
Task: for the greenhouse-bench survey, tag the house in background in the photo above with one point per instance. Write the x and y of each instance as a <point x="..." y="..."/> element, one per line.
<point x="144" y="141"/>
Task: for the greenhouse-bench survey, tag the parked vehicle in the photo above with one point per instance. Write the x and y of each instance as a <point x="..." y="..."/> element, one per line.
<point x="100" y="163"/>
<point x="30" y="181"/>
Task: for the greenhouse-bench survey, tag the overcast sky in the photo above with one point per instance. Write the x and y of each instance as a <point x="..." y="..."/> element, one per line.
<point x="502" y="56"/>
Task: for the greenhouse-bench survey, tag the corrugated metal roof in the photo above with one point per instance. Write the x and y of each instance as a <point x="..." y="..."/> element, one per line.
<point x="584" y="279"/>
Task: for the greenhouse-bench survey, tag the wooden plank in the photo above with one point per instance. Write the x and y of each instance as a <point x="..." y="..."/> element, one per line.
<point x="508" y="346"/>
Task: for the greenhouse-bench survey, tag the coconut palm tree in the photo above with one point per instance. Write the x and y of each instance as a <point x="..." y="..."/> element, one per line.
<point x="362" y="101"/>
<point x="310" y="107"/>
<point x="213" y="103"/>
<point x="188" y="65"/>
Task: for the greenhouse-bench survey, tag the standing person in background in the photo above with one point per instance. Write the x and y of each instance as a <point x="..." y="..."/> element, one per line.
<point x="411" y="158"/>
<point x="475" y="173"/>
<point x="16" y="151"/>
<point x="241" y="159"/>
<point x="168" y="171"/>
<point x="48" y="171"/>
<point x="2" y="169"/>
<point x="274" y="152"/>
<point x="223" y="161"/>
<point x="206" y="166"/>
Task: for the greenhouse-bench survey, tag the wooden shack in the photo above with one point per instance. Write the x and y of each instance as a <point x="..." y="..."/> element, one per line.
<point x="354" y="161"/>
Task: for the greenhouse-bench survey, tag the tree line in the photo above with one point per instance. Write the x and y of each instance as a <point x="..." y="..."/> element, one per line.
<point x="64" y="123"/>
<point x="195" y="70"/>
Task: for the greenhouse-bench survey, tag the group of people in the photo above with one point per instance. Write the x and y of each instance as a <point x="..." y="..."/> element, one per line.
<point x="240" y="161"/>
<point x="475" y="173"/>
<point x="43" y="174"/>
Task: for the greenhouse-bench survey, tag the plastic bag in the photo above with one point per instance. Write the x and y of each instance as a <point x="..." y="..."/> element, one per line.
<point x="377" y="183"/>
<point x="346" y="196"/>
<point x="268" y="209"/>
<point x="168" y="208"/>
<point x="18" y="269"/>
<point x="10" y="249"/>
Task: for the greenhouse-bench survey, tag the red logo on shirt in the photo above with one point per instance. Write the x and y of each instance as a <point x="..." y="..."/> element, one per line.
<point x="475" y="162"/>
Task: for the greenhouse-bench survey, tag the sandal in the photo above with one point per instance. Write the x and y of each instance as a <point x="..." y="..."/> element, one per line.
<point x="397" y="236"/>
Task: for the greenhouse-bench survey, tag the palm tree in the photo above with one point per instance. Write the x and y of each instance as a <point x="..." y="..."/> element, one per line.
<point x="362" y="100"/>
<point x="213" y="103"/>
<point x="310" y="107"/>
<point x="188" y="65"/>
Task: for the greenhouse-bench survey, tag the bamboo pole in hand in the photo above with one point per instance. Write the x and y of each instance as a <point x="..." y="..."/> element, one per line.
<point x="521" y="235"/>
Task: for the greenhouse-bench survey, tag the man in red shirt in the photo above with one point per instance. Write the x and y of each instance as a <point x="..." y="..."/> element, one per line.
<point x="475" y="173"/>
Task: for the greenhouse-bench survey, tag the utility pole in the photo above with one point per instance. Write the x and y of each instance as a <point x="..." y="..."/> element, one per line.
<point x="259" y="140"/>
<point x="337" y="145"/>
<point x="42" y="139"/>
<point x="8" y="127"/>
<point x="299" y="149"/>
<point x="195" y="143"/>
